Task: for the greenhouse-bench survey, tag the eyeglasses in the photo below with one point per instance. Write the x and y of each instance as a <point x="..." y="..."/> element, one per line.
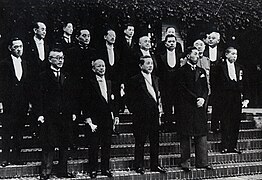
<point x="58" y="57"/>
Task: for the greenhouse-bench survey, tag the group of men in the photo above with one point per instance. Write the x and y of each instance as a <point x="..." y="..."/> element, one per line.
<point x="72" y="81"/>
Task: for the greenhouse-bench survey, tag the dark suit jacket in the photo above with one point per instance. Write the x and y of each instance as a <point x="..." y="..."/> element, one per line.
<point x="219" y="53"/>
<point x="141" y="103"/>
<point x="35" y="64"/>
<point x="128" y="62"/>
<point x="112" y="72"/>
<point x="192" y="85"/>
<point x="96" y="107"/>
<point x="57" y="106"/>
<point x="14" y="94"/>
<point x="223" y="83"/>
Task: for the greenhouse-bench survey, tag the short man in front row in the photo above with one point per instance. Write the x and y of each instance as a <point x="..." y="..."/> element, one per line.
<point x="143" y="101"/>
<point x="56" y="114"/>
<point x="100" y="114"/>
<point x="192" y="120"/>
<point x="231" y="83"/>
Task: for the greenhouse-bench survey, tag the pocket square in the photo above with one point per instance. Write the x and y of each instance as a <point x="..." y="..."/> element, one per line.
<point x="202" y="76"/>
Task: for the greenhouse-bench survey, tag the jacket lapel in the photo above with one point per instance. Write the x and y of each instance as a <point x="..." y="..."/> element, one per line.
<point x="96" y="86"/>
<point x="225" y="69"/>
<point x="237" y="71"/>
<point x="143" y="85"/>
<point x="197" y="74"/>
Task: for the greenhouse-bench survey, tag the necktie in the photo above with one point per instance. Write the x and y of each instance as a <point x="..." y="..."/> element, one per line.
<point x="171" y="59"/>
<point x="41" y="50"/>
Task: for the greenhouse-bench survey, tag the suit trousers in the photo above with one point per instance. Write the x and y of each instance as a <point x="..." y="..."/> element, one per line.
<point x="47" y="161"/>
<point x="12" y="125"/>
<point x="231" y="118"/>
<point x="140" y="139"/>
<point x="201" y="155"/>
<point x="102" y="137"/>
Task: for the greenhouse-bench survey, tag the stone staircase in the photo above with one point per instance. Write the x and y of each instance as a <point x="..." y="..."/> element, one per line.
<point x="122" y="154"/>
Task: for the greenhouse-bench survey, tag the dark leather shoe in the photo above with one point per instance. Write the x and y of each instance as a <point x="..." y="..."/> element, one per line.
<point x="140" y="170"/>
<point x="93" y="174"/>
<point x="68" y="175"/>
<point x="207" y="167"/>
<point x="44" y="177"/>
<point x="224" y="151"/>
<point x="235" y="151"/>
<point x="107" y="173"/>
<point x="158" y="169"/>
<point x="186" y="169"/>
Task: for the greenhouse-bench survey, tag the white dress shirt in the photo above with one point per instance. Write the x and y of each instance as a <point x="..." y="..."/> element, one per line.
<point x="213" y="53"/>
<point x="145" y="53"/>
<point x="40" y="48"/>
<point x="149" y="85"/>
<point x="102" y="84"/>
<point x="111" y="55"/>
<point x="231" y="71"/>
<point x="171" y="58"/>
<point x="17" y="62"/>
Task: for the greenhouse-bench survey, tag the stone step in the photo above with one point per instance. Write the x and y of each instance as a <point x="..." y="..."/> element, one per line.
<point x="127" y="150"/>
<point x="220" y="170"/>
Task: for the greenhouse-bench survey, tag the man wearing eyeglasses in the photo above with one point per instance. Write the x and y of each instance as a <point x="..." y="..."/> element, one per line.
<point x="55" y="114"/>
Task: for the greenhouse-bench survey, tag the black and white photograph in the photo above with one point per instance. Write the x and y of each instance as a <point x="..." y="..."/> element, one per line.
<point x="131" y="89"/>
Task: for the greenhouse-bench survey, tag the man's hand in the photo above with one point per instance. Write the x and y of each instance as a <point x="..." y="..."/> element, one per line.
<point x="92" y="126"/>
<point x="122" y="90"/>
<point x="41" y="119"/>
<point x="245" y="103"/>
<point x="200" y="102"/>
<point x="1" y="107"/>
<point x="116" y="121"/>
<point x="73" y="117"/>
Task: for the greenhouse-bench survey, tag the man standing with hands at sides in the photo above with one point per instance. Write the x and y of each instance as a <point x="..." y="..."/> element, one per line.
<point x="231" y="82"/>
<point x="100" y="115"/>
<point x="143" y="100"/>
<point x="192" y="120"/>
<point x="14" y="91"/>
<point x="56" y="114"/>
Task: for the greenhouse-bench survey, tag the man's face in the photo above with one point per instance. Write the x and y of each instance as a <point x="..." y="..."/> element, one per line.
<point x="148" y="66"/>
<point x="56" y="59"/>
<point x="193" y="56"/>
<point x="129" y="31"/>
<point x="213" y="39"/>
<point x="99" y="67"/>
<point x="16" y="48"/>
<point x="145" y="43"/>
<point x="171" y="43"/>
<point x="231" y="55"/>
<point x="84" y="37"/>
<point x="68" y="29"/>
<point x="40" y="32"/>
<point x="200" y="45"/>
<point x="110" y="37"/>
<point x="171" y="31"/>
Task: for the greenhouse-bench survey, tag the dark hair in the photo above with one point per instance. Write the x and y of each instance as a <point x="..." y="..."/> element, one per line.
<point x="142" y="59"/>
<point x="107" y="30"/>
<point x="228" y="49"/>
<point x="170" y="27"/>
<point x="78" y="31"/>
<point x="10" y="43"/>
<point x="35" y="25"/>
<point x="189" y="50"/>
<point x="55" y="49"/>
<point x="66" y="23"/>
<point x="169" y="36"/>
<point x="128" y="24"/>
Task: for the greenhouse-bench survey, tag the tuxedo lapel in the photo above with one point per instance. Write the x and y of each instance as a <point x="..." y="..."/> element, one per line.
<point x="143" y="85"/>
<point x="197" y="74"/>
<point x="108" y="85"/>
<point x="225" y="70"/>
<point x="237" y="71"/>
<point x="96" y="86"/>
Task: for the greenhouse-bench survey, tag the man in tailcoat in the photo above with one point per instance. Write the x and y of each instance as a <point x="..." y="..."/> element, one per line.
<point x="143" y="100"/>
<point x="14" y="99"/>
<point x="100" y="114"/>
<point x="232" y="84"/>
<point x="192" y="120"/>
<point x="168" y="64"/>
<point x="56" y="112"/>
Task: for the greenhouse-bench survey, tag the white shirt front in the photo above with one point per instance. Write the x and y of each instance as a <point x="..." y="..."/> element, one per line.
<point x="231" y="71"/>
<point x="145" y="53"/>
<point x="213" y="53"/>
<point x="171" y="58"/>
<point x="40" y="48"/>
<point x="111" y="54"/>
<point x="17" y="62"/>
<point x="149" y="85"/>
<point x="102" y="84"/>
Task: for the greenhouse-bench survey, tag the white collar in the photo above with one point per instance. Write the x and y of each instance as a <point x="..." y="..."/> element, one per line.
<point x="54" y="69"/>
<point x="108" y="46"/>
<point x="16" y="59"/>
<point x="99" y="78"/>
<point x="38" y="41"/>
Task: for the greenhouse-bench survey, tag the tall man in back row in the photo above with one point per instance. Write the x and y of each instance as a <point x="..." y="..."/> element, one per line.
<point x="143" y="100"/>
